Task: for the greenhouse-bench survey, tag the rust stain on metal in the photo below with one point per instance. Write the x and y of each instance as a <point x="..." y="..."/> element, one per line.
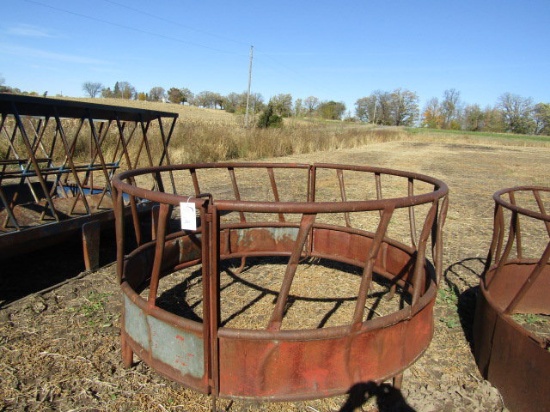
<point x="275" y="363"/>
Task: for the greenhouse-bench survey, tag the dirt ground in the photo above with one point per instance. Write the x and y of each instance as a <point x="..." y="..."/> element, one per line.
<point x="60" y="348"/>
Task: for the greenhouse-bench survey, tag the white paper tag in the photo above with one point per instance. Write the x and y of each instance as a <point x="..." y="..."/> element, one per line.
<point x="188" y="216"/>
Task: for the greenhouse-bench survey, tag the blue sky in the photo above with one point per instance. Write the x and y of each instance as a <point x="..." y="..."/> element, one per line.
<point x="334" y="50"/>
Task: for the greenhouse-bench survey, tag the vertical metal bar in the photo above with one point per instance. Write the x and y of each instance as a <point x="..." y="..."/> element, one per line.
<point x="378" y="184"/>
<point x="275" y="190"/>
<point x="159" y="253"/>
<point x="193" y="173"/>
<point x="135" y="219"/>
<point x="214" y="299"/>
<point x="236" y="192"/>
<point x="419" y="276"/>
<point x="118" y="204"/>
<point x="540" y="204"/>
<point x="303" y="233"/>
<point x="311" y="183"/>
<point x="495" y="248"/>
<point x="412" y="218"/>
<point x="366" y="277"/>
<point x="519" y="247"/>
<point x="342" y="185"/>
<point x="438" y="255"/>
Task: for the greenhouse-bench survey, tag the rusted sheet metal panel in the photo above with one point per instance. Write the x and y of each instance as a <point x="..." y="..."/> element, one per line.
<point x="511" y="360"/>
<point x="284" y="369"/>
<point x="139" y="263"/>
<point x="263" y="239"/>
<point x="352" y="246"/>
<point x="511" y="277"/>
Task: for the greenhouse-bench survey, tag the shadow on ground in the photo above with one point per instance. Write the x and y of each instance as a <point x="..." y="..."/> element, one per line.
<point x="25" y="274"/>
<point x="463" y="278"/>
<point x="388" y="398"/>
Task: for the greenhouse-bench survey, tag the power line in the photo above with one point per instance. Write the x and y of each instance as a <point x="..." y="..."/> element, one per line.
<point x="145" y="13"/>
<point x="150" y="33"/>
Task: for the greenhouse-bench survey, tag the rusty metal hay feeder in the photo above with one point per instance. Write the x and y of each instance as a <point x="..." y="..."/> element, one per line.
<point x="516" y="285"/>
<point x="284" y="210"/>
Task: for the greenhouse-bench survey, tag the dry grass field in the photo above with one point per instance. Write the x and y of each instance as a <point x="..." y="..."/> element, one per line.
<point x="59" y="348"/>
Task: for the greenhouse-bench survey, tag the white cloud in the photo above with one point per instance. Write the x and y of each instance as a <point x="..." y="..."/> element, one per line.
<point x="27" y="30"/>
<point x="33" y="53"/>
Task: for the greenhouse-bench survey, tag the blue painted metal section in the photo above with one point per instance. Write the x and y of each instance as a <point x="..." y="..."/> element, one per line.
<point x="135" y="323"/>
<point x="170" y="345"/>
<point x="180" y="349"/>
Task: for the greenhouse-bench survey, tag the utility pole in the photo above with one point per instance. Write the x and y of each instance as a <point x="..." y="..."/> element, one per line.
<point x="249" y="84"/>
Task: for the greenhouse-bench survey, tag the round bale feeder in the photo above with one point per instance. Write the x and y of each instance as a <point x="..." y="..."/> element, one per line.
<point x="343" y="261"/>
<point x="511" y="327"/>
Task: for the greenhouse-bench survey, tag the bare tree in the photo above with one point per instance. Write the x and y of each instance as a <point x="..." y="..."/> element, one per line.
<point x="404" y="107"/>
<point x="311" y="103"/>
<point x="450" y="108"/>
<point x="92" y="88"/>
<point x="157" y="94"/>
<point x="366" y="107"/>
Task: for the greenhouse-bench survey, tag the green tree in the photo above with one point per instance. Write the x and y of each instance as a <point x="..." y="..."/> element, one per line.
<point x="282" y="104"/>
<point x="473" y="118"/>
<point x="331" y="110"/>
<point x="517" y="113"/>
<point x="541" y="115"/>
<point x="299" y="109"/>
<point x="268" y="118"/>
<point x="209" y="100"/>
<point x="175" y="95"/>
<point x="374" y="108"/>
<point x="124" y="90"/>
<point x="3" y="88"/>
<point x="183" y="95"/>
<point x="107" y="92"/>
<point x="234" y="103"/>
<point x="493" y="120"/>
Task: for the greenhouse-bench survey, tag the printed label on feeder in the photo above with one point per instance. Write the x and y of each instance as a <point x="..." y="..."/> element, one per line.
<point x="188" y="216"/>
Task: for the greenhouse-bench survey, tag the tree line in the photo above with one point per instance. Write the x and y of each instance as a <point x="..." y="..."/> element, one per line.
<point x="279" y="106"/>
<point x="511" y="113"/>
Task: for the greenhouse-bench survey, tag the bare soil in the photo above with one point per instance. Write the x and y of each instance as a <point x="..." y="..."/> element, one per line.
<point x="60" y="349"/>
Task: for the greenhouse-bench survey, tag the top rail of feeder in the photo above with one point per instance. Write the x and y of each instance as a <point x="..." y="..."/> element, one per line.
<point x="440" y="189"/>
